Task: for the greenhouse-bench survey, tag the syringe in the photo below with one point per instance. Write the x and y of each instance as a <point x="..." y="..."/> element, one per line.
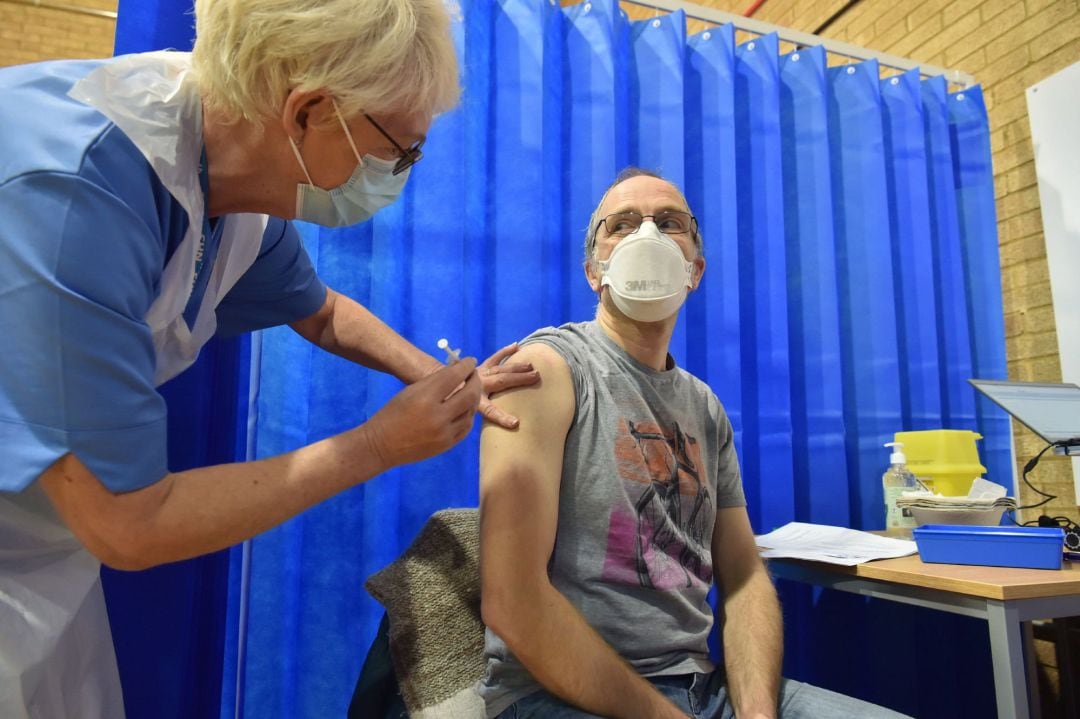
<point x="452" y="356"/>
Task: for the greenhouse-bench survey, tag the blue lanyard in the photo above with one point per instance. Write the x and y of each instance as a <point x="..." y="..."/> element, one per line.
<point x="205" y="251"/>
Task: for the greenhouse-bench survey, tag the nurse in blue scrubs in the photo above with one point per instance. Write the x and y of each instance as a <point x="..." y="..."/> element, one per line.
<point x="144" y="207"/>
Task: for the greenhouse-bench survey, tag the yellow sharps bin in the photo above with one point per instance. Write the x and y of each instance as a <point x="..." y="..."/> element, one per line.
<point x="946" y="460"/>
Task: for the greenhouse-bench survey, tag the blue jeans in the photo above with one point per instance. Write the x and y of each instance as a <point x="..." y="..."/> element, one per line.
<point x="703" y="696"/>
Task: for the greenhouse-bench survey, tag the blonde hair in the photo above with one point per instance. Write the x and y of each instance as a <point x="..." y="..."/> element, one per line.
<point x="374" y="56"/>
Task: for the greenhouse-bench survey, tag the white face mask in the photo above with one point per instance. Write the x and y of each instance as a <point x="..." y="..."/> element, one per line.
<point x="647" y="274"/>
<point x="372" y="186"/>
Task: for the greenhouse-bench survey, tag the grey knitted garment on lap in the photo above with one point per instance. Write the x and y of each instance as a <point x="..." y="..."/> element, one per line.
<point x="432" y="595"/>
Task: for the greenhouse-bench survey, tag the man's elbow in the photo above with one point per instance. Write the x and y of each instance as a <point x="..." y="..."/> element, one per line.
<point x="506" y="607"/>
<point x="741" y="572"/>
<point x="755" y="588"/>
<point x="497" y="609"/>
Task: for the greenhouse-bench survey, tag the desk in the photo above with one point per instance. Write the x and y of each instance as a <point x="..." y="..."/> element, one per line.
<point x="1008" y="599"/>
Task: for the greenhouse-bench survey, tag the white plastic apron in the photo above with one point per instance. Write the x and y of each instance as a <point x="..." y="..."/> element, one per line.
<point x="151" y="99"/>
<point x="56" y="655"/>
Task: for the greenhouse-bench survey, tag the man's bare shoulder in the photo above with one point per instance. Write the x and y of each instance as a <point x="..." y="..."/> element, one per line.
<point x="544" y="353"/>
<point x="552" y="366"/>
<point x="544" y="407"/>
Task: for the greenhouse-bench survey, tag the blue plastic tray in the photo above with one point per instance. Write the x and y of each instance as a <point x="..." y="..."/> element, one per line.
<point x="1033" y="547"/>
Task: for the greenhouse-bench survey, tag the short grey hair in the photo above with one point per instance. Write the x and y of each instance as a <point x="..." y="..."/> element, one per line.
<point x="377" y="56"/>
<point x="626" y="174"/>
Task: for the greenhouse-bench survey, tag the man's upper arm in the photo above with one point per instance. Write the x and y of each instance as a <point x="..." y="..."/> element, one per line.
<point x="520" y="473"/>
<point x="734" y="552"/>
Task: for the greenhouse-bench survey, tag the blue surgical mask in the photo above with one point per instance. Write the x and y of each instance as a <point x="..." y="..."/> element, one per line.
<point x="372" y="186"/>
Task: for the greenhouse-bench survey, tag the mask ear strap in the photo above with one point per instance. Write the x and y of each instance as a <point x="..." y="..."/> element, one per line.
<point x="296" y="151"/>
<point x="602" y="266"/>
<point x="348" y="135"/>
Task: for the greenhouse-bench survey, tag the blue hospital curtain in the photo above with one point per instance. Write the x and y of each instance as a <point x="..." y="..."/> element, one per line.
<point x="852" y="288"/>
<point x="910" y="226"/>
<point x="864" y="265"/>
<point x="973" y="178"/>
<point x="711" y="189"/>
<point x="766" y="449"/>
<point x="817" y="410"/>
<point x="850" y="292"/>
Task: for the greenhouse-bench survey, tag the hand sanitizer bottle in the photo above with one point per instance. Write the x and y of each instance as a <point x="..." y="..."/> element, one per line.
<point x="897" y="480"/>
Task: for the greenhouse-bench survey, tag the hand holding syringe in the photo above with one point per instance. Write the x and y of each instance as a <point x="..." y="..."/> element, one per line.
<point x="496" y="377"/>
<point x="427" y="417"/>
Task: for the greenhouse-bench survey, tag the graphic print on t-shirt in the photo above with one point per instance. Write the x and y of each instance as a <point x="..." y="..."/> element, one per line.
<point x="661" y="537"/>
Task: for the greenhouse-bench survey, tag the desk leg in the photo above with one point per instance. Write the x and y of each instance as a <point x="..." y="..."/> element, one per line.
<point x="1007" y="650"/>
<point x="1031" y="667"/>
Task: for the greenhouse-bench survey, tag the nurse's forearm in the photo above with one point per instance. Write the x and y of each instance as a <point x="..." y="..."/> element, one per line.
<point x="203" y="510"/>
<point x="346" y="328"/>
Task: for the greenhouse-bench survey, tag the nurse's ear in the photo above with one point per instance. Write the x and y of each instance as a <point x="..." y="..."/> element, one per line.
<point x="304" y="109"/>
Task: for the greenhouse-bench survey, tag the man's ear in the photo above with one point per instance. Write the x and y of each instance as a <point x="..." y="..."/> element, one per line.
<point x="592" y="274"/>
<point x="697" y="272"/>
<point x="303" y="109"/>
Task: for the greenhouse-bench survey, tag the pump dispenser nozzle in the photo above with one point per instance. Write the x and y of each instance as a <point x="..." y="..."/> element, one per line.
<point x="897" y="456"/>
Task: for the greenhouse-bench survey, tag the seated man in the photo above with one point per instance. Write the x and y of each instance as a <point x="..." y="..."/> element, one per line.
<point x="606" y="515"/>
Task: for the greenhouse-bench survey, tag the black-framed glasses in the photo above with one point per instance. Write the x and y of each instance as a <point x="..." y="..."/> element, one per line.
<point x="669" y="222"/>
<point x="409" y="156"/>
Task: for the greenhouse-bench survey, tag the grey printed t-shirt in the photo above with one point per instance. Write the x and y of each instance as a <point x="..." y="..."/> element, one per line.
<point x="648" y="459"/>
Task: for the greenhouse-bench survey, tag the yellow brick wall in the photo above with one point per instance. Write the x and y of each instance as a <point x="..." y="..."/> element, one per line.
<point x="1008" y="45"/>
<point x="31" y="33"/>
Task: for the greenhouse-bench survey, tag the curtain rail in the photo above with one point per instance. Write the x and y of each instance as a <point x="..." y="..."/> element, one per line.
<point x="805" y="39"/>
<point x="47" y="5"/>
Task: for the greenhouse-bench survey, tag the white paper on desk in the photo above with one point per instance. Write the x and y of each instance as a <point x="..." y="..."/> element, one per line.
<point x="834" y="545"/>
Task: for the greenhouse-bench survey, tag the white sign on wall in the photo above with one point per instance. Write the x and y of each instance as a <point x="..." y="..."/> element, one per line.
<point x="1054" y="112"/>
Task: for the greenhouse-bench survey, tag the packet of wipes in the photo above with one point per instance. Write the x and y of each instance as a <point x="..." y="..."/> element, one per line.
<point x="982" y="489"/>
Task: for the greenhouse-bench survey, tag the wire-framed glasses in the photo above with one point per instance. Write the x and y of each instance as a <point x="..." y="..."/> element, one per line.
<point x="409" y="156"/>
<point x="669" y="222"/>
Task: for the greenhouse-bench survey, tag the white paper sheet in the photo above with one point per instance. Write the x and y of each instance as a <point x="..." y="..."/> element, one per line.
<point x="834" y="545"/>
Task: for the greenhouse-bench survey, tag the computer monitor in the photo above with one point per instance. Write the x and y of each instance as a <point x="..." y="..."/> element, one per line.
<point x="1051" y="411"/>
